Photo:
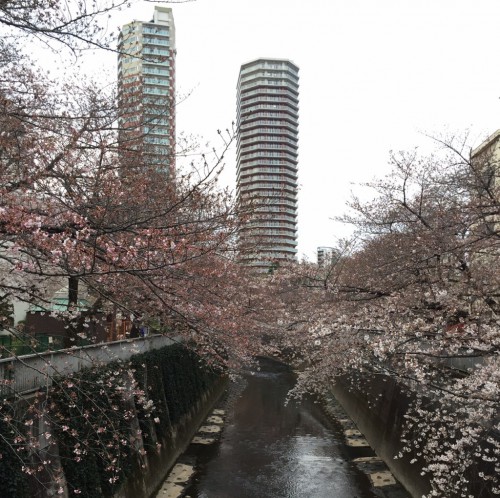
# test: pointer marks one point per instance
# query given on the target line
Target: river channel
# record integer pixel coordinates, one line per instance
(270, 449)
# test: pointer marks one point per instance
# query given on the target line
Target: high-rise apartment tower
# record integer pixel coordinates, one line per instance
(267, 150)
(146, 88)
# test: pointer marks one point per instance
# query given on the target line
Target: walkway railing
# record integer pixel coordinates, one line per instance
(22, 374)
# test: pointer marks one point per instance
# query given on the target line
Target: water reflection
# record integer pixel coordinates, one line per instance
(269, 450)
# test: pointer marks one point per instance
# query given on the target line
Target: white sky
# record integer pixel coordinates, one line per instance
(374, 75)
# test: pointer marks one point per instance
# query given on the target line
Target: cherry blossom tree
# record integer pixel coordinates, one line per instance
(415, 296)
(77, 206)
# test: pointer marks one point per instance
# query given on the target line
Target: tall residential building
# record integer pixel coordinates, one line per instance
(146, 89)
(267, 150)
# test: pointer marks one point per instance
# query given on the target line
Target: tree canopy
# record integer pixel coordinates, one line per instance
(415, 296)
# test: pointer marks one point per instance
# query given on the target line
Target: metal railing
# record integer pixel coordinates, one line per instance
(23, 374)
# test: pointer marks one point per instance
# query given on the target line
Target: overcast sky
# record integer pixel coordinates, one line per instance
(374, 76)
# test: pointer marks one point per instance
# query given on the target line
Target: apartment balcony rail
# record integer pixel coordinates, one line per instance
(268, 126)
(272, 93)
(269, 70)
(283, 170)
(265, 84)
(268, 153)
(251, 107)
(289, 117)
(267, 150)
(265, 162)
(28, 373)
(262, 141)
(273, 99)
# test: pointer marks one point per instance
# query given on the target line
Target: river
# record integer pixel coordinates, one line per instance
(270, 449)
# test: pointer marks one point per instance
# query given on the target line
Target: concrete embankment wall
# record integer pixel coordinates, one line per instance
(378, 411)
(145, 481)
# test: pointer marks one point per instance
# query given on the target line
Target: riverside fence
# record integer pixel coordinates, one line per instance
(20, 375)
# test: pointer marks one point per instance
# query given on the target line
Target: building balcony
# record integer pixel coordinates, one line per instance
(269, 93)
(269, 153)
(252, 85)
(269, 142)
(270, 99)
(248, 114)
(279, 170)
(257, 125)
(269, 190)
(263, 132)
(270, 66)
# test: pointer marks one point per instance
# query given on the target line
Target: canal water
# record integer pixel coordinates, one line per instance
(270, 449)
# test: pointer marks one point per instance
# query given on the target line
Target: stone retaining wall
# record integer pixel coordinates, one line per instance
(379, 415)
(145, 482)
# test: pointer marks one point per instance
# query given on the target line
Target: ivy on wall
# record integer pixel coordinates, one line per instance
(13, 482)
(104, 420)
(175, 380)
(92, 420)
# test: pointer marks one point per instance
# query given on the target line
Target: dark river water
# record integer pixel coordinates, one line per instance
(272, 450)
